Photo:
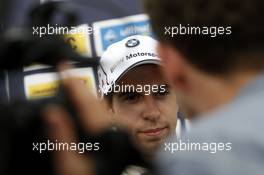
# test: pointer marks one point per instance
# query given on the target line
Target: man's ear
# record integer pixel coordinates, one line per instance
(111, 113)
(175, 67)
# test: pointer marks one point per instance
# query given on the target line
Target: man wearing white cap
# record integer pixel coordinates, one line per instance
(137, 94)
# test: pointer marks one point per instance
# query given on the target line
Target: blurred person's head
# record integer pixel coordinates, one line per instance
(208, 66)
(137, 94)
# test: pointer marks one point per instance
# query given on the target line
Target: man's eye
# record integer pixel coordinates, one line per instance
(162, 93)
(131, 97)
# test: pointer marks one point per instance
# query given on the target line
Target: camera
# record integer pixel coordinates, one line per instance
(21, 125)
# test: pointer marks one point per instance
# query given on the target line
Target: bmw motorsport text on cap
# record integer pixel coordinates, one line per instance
(124, 55)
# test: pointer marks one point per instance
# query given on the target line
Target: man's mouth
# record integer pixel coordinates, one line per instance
(153, 132)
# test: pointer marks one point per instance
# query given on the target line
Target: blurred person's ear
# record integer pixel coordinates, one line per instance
(175, 68)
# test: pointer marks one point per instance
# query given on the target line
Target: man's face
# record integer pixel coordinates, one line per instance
(175, 72)
(149, 118)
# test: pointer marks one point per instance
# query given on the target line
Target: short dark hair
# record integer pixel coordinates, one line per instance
(242, 49)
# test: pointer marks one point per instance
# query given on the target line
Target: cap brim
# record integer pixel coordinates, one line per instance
(143, 62)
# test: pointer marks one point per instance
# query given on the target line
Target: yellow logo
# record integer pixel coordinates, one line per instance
(50, 89)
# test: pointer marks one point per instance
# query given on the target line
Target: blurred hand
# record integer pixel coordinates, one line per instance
(94, 117)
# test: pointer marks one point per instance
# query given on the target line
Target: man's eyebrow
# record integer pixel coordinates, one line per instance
(165, 87)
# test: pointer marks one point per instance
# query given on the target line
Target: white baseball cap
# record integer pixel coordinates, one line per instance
(123, 56)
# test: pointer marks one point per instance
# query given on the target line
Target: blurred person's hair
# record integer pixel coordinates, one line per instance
(242, 50)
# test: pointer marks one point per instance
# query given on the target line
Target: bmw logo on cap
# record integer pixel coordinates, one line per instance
(132, 43)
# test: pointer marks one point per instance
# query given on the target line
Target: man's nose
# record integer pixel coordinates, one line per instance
(151, 109)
